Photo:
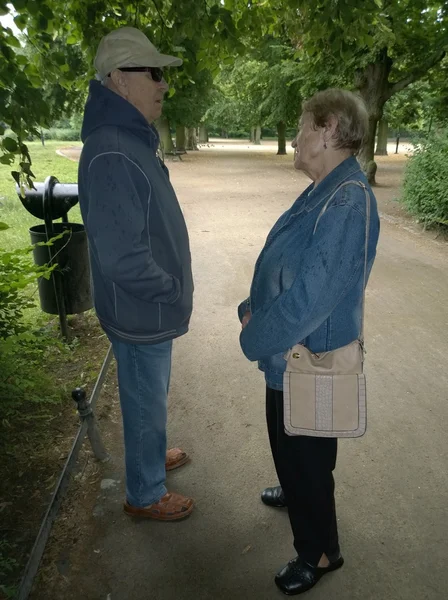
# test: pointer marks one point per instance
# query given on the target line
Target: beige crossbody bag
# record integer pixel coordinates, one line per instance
(325, 394)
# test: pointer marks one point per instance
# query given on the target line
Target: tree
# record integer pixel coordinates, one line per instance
(42, 74)
(62, 99)
(380, 46)
(173, 25)
(186, 108)
(281, 81)
(435, 103)
(237, 98)
(261, 89)
(409, 109)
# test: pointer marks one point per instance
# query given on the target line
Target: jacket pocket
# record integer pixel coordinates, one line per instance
(133, 314)
(177, 315)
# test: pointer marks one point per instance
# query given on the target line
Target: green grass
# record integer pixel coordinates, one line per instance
(45, 162)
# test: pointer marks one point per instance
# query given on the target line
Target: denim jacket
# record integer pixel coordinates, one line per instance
(307, 286)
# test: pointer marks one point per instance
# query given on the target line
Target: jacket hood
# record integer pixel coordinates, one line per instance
(106, 108)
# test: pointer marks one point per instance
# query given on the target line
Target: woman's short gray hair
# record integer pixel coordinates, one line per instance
(350, 111)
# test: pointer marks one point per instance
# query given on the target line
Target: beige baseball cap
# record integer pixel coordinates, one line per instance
(129, 47)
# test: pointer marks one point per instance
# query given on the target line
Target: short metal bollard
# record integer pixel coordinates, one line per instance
(86, 414)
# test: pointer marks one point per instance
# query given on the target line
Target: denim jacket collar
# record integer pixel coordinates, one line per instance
(321, 192)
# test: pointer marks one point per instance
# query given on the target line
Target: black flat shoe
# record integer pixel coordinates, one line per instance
(298, 576)
(274, 496)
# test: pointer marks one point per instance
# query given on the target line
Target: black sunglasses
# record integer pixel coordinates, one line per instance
(156, 72)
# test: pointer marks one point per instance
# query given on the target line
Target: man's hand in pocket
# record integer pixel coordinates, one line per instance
(246, 319)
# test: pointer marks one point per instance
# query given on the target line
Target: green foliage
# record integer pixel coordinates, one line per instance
(26, 389)
(22, 381)
(347, 35)
(238, 97)
(17, 272)
(379, 47)
(7, 566)
(40, 77)
(407, 108)
(375, 46)
(45, 73)
(265, 87)
(62, 135)
(425, 188)
(22, 350)
(436, 100)
(188, 106)
(62, 68)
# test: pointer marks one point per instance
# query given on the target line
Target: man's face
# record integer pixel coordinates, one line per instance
(146, 94)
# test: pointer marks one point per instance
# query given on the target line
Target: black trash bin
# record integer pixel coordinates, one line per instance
(72, 257)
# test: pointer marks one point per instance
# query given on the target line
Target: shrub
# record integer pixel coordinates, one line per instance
(63, 135)
(17, 271)
(425, 186)
(7, 566)
(22, 350)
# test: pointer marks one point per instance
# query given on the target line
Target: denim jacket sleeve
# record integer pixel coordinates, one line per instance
(330, 266)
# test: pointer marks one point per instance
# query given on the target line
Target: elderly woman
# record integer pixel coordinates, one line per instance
(307, 288)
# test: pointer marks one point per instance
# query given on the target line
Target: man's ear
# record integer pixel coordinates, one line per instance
(119, 80)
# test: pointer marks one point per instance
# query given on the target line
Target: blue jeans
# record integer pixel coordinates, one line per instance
(143, 381)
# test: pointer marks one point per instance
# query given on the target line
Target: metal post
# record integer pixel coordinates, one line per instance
(56, 276)
(86, 414)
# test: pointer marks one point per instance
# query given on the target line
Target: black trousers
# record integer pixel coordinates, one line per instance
(305, 471)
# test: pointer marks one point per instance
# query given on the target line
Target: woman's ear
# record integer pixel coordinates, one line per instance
(330, 128)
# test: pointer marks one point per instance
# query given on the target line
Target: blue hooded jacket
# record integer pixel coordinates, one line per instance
(138, 240)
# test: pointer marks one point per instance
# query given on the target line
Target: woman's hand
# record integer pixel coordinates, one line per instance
(246, 319)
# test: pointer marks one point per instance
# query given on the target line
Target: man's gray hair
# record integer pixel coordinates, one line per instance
(102, 80)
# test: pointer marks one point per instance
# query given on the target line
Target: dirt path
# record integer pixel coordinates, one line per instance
(391, 486)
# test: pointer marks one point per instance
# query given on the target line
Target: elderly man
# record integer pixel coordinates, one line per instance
(140, 256)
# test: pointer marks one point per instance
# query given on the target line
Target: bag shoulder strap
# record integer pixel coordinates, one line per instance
(366, 246)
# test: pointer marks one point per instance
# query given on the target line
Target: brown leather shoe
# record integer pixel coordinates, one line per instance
(171, 507)
(175, 458)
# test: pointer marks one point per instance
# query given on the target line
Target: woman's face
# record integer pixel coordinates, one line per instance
(308, 144)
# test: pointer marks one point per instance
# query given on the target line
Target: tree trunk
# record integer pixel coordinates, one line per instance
(367, 152)
(166, 143)
(203, 134)
(42, 137)
(192, 143)
(373, 85)
(252, 135)
(383, 131)
(257, 139)
(281, 133)
(398, 143)
(180, 138)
